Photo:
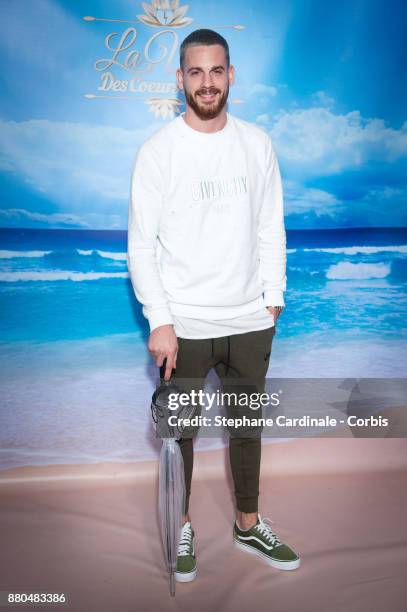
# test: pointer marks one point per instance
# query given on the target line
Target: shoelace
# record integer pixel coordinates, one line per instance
(184, 547)
(265, 530)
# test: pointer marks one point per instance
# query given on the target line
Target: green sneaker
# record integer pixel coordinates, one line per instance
(186, 562)
(262, 541)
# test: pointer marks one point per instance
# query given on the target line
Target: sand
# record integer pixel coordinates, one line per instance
(91, 532)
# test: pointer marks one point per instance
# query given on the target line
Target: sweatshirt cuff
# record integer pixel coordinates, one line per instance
(158, 316)
(273, 297)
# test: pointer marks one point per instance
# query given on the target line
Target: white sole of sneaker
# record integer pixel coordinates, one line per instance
(185, 577)
(282, 565)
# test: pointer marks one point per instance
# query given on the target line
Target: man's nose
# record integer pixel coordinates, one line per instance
(207, 80)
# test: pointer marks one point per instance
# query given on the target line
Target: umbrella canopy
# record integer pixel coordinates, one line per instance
(171, 502)
(171, 482)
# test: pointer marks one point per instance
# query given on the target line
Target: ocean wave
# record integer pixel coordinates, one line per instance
(355, 250)
(358, 271)
(122, 256)
(304, 271)
(107, 254)
(13, 254)
(118, 256)
(58, 275)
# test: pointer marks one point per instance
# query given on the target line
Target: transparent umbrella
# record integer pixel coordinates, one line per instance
(171, 482)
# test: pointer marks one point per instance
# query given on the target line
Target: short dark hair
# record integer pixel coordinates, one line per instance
(203, 37)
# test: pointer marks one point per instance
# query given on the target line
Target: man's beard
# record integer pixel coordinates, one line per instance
(204, 110)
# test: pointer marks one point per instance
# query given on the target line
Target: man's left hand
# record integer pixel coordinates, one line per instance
(275, 311)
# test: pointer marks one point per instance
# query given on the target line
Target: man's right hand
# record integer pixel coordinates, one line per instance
(163, 344)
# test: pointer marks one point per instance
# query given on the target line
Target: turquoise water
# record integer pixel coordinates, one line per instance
(76, 376)
(70, 284)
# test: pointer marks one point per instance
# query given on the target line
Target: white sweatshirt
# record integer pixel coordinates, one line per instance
(206, 235)
(196, 329)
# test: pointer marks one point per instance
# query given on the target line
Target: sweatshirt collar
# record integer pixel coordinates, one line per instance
(187, 130)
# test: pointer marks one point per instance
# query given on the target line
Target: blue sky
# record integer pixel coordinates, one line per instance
(325, 80)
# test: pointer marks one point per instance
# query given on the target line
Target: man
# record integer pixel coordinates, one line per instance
(207, 259)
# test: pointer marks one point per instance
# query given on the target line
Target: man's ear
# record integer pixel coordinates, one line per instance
(231, 75)
(180, 79)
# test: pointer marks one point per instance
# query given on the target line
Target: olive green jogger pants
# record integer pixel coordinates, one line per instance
(241, 361)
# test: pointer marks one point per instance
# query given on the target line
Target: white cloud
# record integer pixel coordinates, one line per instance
(318, 142)
(321, 98)
(20, 217)
(261, 88)
(263, 120)
(73, 164)
(85, 169)
(315, 143)
(299, 199)
(13, 215)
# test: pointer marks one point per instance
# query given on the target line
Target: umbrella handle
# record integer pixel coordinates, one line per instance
(162, 371)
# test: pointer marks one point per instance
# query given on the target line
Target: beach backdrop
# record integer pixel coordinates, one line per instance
(84, 83)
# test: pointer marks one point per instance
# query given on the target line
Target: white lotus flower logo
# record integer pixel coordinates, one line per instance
(164, 108)
(165, 13)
